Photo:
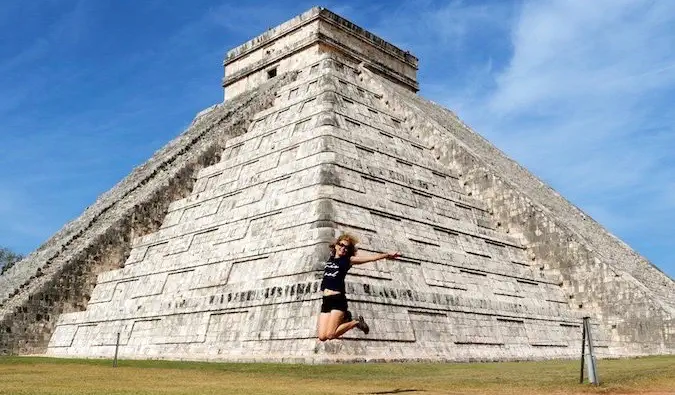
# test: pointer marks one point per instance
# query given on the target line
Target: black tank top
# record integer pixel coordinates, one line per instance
(334, 274)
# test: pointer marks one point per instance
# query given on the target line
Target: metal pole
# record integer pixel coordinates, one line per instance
(117, 346)
(583, 350)
(592, 366)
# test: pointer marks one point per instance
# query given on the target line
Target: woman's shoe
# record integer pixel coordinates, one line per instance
(362, 325)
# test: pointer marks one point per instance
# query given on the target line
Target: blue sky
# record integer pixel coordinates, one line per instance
(579, 92)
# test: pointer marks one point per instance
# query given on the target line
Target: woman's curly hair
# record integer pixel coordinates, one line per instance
(351, 251)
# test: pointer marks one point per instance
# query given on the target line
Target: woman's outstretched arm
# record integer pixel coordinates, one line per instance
(357, 260)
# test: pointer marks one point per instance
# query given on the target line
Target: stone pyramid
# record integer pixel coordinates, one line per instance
(214, 249)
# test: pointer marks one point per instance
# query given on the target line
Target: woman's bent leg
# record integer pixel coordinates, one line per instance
(344, 328)
(324, 328)
(334, 322)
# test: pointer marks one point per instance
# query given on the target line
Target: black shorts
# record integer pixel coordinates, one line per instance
(334, 302)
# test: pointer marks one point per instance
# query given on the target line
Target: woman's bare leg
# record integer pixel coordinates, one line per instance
(344, 328)
(337, 326)
(336, 317)
(324, 327)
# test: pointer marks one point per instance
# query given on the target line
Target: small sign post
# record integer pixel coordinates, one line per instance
(117, 346)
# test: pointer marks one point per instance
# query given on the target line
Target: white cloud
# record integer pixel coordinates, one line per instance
(585, 102)
(579, 92)
(567, 49)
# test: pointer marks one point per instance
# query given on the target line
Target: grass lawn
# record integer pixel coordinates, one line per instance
(32, 375)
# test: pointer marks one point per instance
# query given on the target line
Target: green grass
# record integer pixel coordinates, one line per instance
(35, 375)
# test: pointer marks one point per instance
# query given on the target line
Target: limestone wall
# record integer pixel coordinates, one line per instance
(233, 272)
(61, 274)
(289, 58)
(251, 46)
(602, 276)
(231, 260)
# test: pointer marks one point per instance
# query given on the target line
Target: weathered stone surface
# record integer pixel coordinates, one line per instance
(223, 234)
(632, 298)
(60, 275)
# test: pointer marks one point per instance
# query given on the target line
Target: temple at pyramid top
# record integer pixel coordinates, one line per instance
(300, 41)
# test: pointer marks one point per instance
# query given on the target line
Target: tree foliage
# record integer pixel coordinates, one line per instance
(8, 258)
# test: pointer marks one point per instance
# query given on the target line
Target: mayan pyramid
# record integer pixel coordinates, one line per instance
(214, 248)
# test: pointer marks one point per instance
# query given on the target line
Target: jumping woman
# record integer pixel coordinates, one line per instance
(335, 320)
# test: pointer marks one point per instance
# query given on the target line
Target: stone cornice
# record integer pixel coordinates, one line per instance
(322, 38)
(329, 17)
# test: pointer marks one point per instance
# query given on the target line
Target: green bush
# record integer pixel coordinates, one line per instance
(8, 258)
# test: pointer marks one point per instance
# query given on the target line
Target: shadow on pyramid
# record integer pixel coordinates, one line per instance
(214, 249)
